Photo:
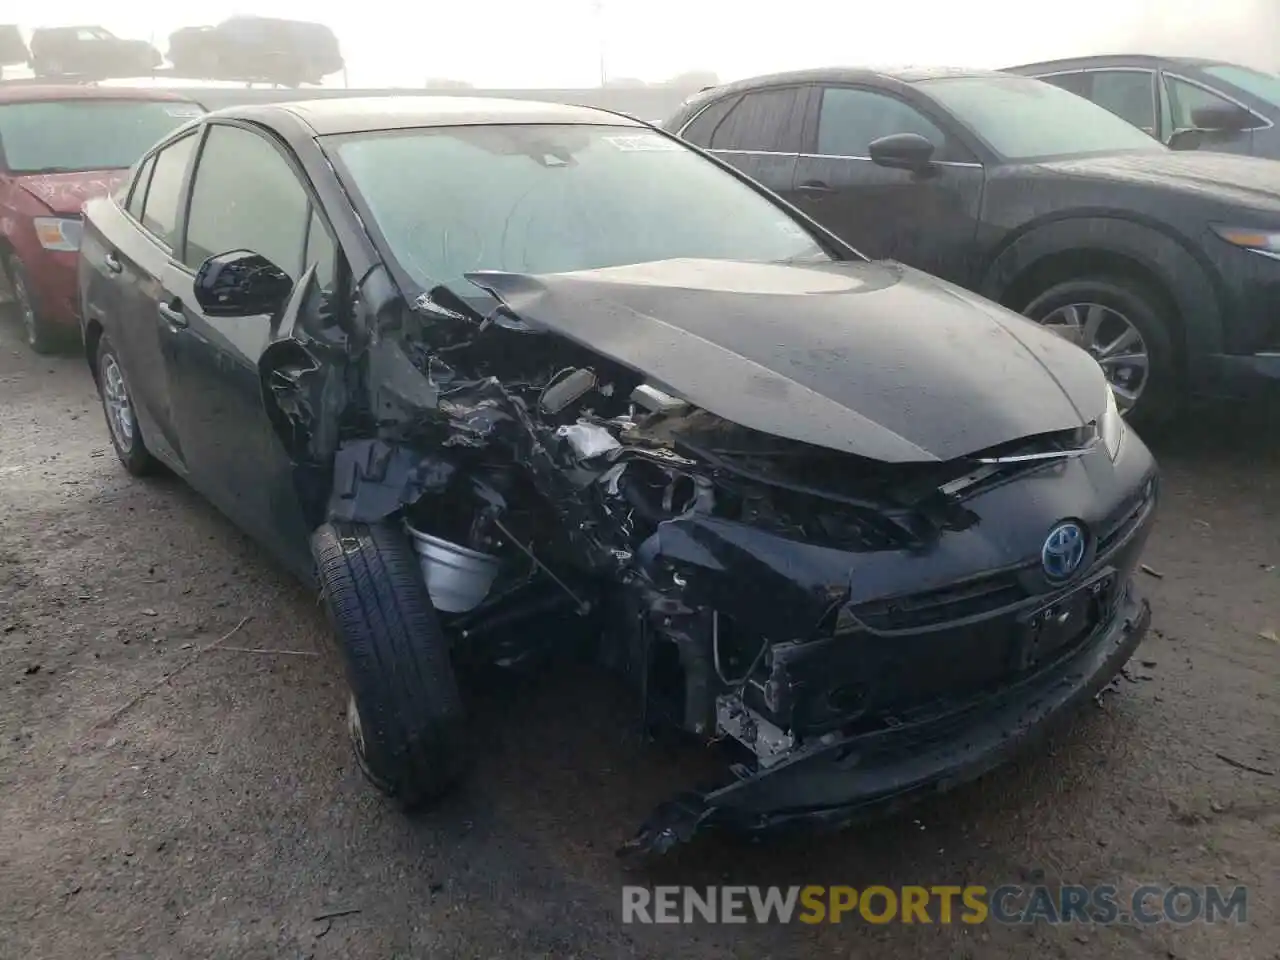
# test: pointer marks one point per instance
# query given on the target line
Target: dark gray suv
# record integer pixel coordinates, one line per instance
(1187, 103)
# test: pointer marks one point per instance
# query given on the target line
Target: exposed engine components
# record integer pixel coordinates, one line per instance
(763, 738)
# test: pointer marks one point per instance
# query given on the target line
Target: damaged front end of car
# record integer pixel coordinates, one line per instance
(832, 619)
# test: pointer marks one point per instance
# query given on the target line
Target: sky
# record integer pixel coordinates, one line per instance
(559, 43)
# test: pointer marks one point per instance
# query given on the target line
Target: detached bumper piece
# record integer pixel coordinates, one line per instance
(840, 779)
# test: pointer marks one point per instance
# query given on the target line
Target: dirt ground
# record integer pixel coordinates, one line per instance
(218, 813)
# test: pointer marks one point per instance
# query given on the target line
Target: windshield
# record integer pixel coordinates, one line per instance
(1025, 119)
(55, 136)
(1263, 85)
(554, 198)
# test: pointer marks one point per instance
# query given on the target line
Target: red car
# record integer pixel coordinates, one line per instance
(61, 146)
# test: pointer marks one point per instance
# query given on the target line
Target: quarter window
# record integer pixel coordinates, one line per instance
(765, 121)
(705, 124)
(321, 251)
(1077, 83)
(850, 119)
(246, 197)
(164, 190)
(139, 191)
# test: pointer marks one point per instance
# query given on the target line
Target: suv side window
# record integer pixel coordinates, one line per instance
(246, 197)
(1186, 98)
(850, 119)
(764, 121)
(1129, 94)
(138, 191)
(164, 190)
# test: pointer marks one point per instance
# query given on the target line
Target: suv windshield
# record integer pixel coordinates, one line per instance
(55, 136)
(1263, 85)
(1025, 119)
(554, 198)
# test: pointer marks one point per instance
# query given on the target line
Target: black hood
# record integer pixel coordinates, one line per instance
(873, 359)
(1222, 177)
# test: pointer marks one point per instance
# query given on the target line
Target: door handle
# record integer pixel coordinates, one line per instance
(112, 263)
(815, 188)
(172, 313)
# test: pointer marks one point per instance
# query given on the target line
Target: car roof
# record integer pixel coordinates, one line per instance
(27, 93)
(331, 115)
(903, 74)
(1114, 59)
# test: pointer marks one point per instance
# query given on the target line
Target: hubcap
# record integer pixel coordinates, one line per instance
(115, 400)
(1112, 340)
(26, 309)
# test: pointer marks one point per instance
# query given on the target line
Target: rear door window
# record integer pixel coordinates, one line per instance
(765, 121)
(1129, 94)
(164, 190)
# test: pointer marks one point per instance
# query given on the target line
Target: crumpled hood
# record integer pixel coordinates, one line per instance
(1227, 177)
(873, 359)
(65, 193)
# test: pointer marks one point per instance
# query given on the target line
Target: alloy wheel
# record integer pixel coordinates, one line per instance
(115, 397)
(1112, 340)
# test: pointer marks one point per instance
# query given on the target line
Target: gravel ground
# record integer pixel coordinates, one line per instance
(218, 812)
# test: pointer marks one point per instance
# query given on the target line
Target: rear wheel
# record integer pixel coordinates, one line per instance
(404, 711)
(1124, 325)
(117, 406)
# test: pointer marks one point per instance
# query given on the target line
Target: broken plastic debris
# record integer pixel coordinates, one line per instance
(588, 440)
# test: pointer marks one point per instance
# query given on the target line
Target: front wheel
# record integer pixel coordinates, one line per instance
(1125, 326)
(36, 330)
(404, 712)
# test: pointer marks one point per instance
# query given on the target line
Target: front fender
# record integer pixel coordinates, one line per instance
(1185, 275)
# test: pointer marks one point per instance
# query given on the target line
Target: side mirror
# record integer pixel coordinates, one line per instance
(903, 151)
(241, 283)
(1226, 118)
(1191, 139)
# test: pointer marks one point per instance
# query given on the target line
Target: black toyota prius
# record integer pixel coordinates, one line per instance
(496, 374)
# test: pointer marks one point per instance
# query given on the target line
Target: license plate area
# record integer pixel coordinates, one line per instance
(1062, 622)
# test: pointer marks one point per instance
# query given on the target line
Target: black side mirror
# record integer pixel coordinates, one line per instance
(1190, 139)
(1226, 118)
(903, 151)
(241, 283)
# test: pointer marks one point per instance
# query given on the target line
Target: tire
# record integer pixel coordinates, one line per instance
(129, 445)
(1146, 311)
(405, 716)
(39, 335)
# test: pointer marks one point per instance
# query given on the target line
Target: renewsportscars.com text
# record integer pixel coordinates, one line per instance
(1007, 904)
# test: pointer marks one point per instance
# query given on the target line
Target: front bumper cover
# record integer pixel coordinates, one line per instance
(845, 780)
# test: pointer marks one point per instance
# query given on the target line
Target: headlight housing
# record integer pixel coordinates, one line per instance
(59, 233)
(1111, 426)
(1264, 242)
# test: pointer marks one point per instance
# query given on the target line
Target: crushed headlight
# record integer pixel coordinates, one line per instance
(59, 233)
(1111, 426)
(1264, 242)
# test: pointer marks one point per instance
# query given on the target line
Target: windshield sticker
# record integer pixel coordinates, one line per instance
(644, 143)
(792, 229)
(184, 113)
